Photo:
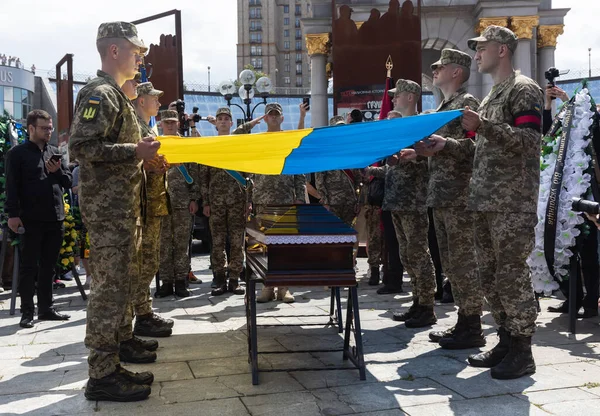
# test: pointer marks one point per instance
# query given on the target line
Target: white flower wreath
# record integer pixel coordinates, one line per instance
(576, 183)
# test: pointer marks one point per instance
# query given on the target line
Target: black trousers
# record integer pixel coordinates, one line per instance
(434, 250)
(589, 270)
(393, 277)
(40, 246)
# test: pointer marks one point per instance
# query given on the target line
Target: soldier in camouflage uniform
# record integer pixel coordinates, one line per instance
(177, 226)
(405, 196)
(106, 140)
(449, 175)
(503, 194)
(276, 190)
(224, 200)
(148, 323)
(339, 189)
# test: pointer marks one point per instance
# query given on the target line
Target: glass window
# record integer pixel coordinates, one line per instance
(24, 97)
(298, 34)
(26, 110)
(8, 94)
(297, 22)
(298, 9)
(286, 21)
(286, 9)
(1, 95)
(286, 57)
(298, 57)
(286, 67)
(286, 44)
(8, 106)
(298, 68)
(298, 45)
(298, 82)
(286, 33)
(18, 114)
(287, 80)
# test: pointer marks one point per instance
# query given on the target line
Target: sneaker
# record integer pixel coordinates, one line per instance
(116, 388)
(193, 279)
(131, 352)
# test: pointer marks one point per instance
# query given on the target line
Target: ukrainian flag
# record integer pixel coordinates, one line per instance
(309, 150)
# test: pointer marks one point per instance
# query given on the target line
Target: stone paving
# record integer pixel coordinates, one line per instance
(202, 368)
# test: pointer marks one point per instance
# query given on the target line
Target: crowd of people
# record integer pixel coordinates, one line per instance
(10, 60)
(460, 204)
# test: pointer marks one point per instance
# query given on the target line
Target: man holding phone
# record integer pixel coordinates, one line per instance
(35, 183)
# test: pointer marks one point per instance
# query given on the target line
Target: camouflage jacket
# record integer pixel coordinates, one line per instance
(337, 188)
(506, 165)
(104, 135)
(449, 174)
(274, 189)
(179, 191)
(219, 188)
(405, 185)
(155, 195)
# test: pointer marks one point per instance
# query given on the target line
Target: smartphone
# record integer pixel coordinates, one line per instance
(55, 158)
(306, 100)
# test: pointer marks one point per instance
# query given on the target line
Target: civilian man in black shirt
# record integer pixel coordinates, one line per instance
(35, 182)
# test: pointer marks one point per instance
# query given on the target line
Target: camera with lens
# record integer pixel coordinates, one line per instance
(195, 116)
(583, 205)
(551, 74)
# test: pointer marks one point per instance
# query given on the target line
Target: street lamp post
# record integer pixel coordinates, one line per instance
(246, 92)
(209, 79)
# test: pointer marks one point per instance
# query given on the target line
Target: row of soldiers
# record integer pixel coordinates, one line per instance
(480, 176)
(127, 188)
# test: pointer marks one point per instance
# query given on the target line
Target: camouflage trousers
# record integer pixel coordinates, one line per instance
(455, 236)
(228, 221)
(150, 257)
(174, 245)
(114, 263)
(374, 235)
(411, 231)
(503, 240)
(346, 213)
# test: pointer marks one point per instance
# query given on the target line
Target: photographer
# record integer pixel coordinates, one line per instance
(552, 92)
(35, 183)
(186, 122)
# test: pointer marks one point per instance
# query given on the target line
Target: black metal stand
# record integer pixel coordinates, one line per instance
(15, 281)
(335, 309)
(354, 354)
(78, 281)
(573, 276)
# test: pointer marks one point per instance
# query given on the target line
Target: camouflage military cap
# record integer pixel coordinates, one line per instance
(224, 110)
(273, 107)
(407, 85)
(146, 88)
(453, 56)
(336, 121)
(169, 115)
(497, 34)
(124, 30)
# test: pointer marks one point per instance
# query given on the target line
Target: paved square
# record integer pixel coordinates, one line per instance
(202, 368)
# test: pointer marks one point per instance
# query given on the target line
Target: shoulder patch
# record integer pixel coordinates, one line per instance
(91, 108)
(537, 108)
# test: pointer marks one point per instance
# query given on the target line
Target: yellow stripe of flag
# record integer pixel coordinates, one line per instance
(265, 154)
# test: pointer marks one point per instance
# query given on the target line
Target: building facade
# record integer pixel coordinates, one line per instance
(16, 91)
(270, 38)
(448, 24)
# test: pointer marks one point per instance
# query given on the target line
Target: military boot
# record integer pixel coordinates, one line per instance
(145, 344)
(493, 357)
(436, 336)
(284, 295)
(518, 362)
(147, 326)
(116, 387)
(234, 287)
(267, 294)
(469, 335)
(424, 317)
(221, 285)
(405, 316)
(374, 276)
(131, 352)
(166, 289)
(181, 290)
(145, 377)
